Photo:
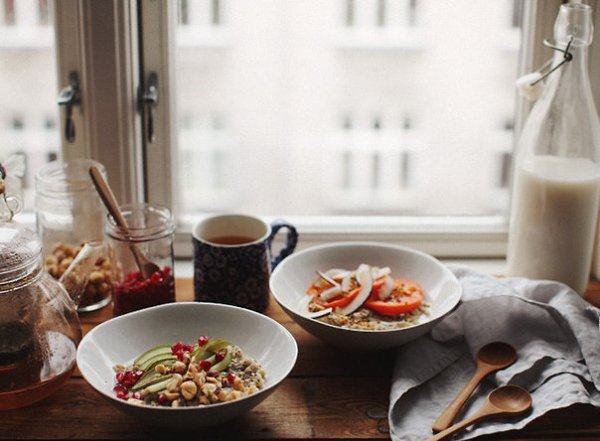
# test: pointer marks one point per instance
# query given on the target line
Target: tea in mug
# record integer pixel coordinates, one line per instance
(231, 240)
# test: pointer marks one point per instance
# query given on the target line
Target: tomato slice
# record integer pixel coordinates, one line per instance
(342, 301)
(312, 291)
(407, 296)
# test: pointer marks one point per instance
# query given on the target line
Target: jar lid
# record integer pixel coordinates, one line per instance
(20, 250)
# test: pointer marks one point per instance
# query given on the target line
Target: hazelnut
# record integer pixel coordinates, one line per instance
(178, 367)
(171, 395)
(173, 384)
(188, 390)
(209, 388)
(161, 369)
(51, 260)
(96, 277)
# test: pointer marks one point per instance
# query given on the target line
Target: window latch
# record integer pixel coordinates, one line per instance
(149, 101)
(70, 96)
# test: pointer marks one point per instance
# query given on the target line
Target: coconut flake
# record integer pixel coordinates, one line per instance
(363, 276)
(330, 293)
(318, 314)
(377, 273)
(386, 290)
(337, 274)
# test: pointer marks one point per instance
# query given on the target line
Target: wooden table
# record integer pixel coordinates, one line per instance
(330, 394)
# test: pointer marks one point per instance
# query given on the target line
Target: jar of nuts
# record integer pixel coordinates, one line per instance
(70, 213)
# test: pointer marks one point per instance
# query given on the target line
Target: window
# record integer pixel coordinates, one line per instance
(360, 119)
(344, 107)
(29, 114)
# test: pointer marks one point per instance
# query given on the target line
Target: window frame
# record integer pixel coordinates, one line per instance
(140, 175)
(99, 41)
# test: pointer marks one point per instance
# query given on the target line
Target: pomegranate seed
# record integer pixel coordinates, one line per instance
(162, 399)
(206, 365)
(202, 340)
(137, 395)
(130, 378)
(120, 376)
(120, 389)
(176, 347)
(231, 377)
(219, 356)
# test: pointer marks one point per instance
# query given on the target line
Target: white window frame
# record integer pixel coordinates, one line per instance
(98, 40)
(139, 172)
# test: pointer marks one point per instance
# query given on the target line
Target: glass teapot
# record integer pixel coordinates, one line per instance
(39, 325)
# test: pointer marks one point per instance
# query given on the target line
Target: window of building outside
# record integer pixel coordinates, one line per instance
(29, 114)
(345, 107)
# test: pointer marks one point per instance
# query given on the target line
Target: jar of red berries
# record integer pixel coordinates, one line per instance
(143, 256)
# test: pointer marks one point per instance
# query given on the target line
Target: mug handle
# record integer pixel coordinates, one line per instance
(290, 241)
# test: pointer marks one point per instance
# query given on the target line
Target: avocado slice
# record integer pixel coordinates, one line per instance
(150, 380)
(163, 349)
(212, 346)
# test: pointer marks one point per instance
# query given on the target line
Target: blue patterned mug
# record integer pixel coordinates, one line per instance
(233, 259)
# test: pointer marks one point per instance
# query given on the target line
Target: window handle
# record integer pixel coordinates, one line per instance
(149, 101)
(70, 96)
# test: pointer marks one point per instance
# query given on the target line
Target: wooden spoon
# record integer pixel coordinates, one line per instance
(147, 268)
(502, 401)
(490, 358)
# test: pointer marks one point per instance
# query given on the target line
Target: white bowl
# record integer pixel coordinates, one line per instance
(293, 276)
(122, 339)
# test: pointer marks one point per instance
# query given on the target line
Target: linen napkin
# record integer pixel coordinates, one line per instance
(556, 334)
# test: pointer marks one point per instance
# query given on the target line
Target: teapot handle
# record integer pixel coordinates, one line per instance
(76, 276)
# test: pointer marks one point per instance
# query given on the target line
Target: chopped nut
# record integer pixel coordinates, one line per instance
(161, 369)
(178, 367)
(238, 384)
(209, 389)
(203, 400)
(96, 277)
(53, 270)
(171, 395)
(188, 390)
(119, 367)
(200, 379)
(173, 384)
(192, 369)
(64, 264)
(235, 394)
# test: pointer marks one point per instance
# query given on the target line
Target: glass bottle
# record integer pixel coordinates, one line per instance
(151, 230)
(69, 214)
(556, 187)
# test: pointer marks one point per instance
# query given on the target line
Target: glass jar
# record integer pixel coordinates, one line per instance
(150, 235)
(69, 213)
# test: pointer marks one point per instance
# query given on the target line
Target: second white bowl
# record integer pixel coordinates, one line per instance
(293, 276)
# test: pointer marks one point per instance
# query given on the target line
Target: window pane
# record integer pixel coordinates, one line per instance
(29, 115)
(324, 107)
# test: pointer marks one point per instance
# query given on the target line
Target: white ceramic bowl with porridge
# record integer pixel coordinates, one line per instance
(365, 295)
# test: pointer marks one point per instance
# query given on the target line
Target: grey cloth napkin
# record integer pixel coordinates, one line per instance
(556, 334)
